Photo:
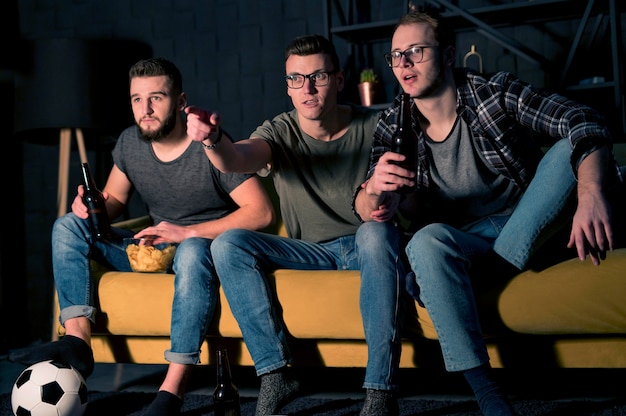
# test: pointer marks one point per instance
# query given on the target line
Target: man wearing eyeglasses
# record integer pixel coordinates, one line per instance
(482, 194)
(318, 154)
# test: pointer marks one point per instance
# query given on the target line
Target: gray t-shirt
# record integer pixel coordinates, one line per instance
(187, 190)
(315, 180)
(467, 188)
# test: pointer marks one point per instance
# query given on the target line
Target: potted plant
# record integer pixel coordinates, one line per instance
(368, 75)
(368, 86)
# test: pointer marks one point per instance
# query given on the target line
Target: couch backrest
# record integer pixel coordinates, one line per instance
(278, 227)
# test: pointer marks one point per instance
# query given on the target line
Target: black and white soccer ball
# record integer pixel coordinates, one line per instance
(49, 388)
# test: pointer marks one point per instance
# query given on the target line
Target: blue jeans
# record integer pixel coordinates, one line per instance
(441, 257)
(195, 284)
(538, 215)
(244, 258)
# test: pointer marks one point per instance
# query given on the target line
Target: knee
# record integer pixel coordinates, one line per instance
(557, 160)
(426, 243)
(66, 224)
(193, 251)
(227, 242)
(374, 234)
(193, 247)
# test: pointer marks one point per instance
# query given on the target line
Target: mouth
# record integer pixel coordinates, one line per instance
(149, 120)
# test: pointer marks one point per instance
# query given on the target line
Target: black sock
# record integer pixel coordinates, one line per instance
(69, 350)
(165, 404)
(491, 400)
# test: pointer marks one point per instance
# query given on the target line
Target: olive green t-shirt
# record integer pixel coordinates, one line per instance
(315, 180)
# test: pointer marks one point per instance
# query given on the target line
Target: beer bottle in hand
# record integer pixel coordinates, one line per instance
(92, 198)
(404, 140)
(225, 395)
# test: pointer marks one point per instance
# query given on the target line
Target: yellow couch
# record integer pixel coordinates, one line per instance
(570, 315)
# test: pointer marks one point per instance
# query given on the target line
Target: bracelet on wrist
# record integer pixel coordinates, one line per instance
(214, 144)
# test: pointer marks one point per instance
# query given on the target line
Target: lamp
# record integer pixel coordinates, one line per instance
(54, 96)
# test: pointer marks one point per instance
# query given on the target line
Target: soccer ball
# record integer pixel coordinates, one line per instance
(49, 388)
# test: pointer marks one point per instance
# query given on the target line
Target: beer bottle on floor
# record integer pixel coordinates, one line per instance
(226, 394)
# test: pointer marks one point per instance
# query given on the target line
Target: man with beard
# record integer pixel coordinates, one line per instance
(481, 197)
(190, 203)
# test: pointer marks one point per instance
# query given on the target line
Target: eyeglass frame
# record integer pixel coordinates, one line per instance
(389, 59)
(305, 77)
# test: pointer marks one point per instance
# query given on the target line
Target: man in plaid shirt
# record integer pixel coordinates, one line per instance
(482, 192)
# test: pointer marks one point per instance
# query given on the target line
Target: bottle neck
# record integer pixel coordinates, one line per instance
(87, 179)
(223, 368)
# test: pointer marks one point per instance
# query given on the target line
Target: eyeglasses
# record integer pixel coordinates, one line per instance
(319, 79)
(414, 55)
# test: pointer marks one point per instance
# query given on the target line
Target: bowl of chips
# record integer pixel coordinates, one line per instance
(147, 257)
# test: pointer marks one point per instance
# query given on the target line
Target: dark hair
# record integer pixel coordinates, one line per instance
(311, 45)
(444, 33)
(153, 67)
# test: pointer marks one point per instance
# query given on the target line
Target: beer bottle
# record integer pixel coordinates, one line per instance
(226, 394)
(96, 208)
(404, 140)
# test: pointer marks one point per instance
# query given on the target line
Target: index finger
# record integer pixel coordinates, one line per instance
(206, 116)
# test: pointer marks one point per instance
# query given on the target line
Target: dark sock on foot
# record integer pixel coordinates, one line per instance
(277, 389)
(380, 403)
(69, 350)
(489, 395)
(165, 404)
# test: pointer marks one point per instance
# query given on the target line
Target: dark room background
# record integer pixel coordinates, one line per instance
(231, 56)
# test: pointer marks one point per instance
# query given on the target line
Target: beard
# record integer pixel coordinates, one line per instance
(163, 131)
(437, 81)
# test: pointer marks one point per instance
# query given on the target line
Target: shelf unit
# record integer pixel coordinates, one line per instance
(487, 20)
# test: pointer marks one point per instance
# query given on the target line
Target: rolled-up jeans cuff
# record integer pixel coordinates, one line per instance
(76, 311)
(191, 358)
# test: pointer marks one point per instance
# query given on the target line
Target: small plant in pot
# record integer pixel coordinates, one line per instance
(368, 86)
(368, 75)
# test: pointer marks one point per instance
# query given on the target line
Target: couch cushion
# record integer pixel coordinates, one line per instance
(320, 304)
(316, 304)
(136, 303)
(572, 297)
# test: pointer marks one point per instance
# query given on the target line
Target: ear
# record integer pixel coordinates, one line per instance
(182, 101)
(341, 80)
(449, 56)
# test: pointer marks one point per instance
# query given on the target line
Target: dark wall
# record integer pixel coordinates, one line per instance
(13, 287)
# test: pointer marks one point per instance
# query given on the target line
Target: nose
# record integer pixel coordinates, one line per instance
(309, 85)
(147, 107)
(405, 61)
